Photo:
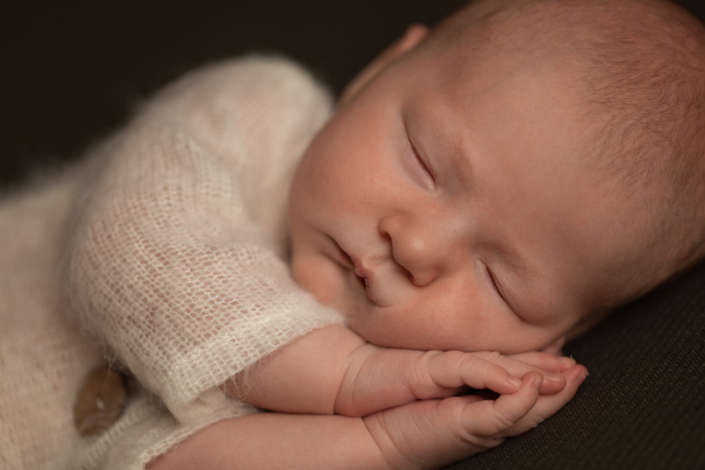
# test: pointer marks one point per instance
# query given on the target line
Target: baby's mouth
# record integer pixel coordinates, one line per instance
(363, 281)
(363, 274)
(353, 266)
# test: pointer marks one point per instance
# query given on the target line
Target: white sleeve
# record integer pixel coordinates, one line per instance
(174, 256)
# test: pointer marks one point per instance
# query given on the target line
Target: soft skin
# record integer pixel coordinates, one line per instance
(363, 405)
(394, 408)
(445, 206)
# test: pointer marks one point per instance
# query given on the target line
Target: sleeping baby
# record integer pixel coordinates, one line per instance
(482, 192)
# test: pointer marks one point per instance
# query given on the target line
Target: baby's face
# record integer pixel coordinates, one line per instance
(446, 208)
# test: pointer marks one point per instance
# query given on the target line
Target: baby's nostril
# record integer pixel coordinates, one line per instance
(409, 274)
(422, 277)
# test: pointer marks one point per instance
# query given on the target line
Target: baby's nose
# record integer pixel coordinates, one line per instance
(417, 247)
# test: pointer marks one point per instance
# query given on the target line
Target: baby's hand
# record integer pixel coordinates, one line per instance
(424, 434)
(384, 378)
(432, 433)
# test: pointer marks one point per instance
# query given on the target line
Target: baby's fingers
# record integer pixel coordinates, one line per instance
(521, 364)
(456, 369)
(545, 360)
(495, 417)
(547, 405)
(433, 433)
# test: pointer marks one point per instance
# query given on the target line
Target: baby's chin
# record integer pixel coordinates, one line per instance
(334, 294)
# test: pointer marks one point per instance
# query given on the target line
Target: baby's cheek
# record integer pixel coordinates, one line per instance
(386, 327)
(323, 279)
(359, 322)
(313, 279)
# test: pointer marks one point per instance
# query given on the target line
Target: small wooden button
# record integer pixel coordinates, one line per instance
(100, 401)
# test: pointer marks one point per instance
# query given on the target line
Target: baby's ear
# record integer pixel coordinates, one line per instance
(413, 36)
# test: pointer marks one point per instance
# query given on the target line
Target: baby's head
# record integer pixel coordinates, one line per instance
(510, 177)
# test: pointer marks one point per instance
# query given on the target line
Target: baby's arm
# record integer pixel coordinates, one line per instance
(394, 409)
(332, 370)
(422, 434)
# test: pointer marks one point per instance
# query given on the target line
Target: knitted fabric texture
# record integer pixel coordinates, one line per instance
(175, 244)
(43, 358)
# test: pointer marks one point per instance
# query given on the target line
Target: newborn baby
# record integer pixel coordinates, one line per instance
(499, 184)
(482, 192)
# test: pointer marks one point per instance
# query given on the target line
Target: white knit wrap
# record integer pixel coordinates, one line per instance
(176, 245)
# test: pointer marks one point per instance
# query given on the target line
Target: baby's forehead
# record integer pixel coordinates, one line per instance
(569, 30)
(469, 50)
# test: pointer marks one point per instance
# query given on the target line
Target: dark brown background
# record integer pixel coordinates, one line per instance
(71, 72)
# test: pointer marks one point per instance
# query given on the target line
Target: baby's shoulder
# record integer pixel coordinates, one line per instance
(264, 82)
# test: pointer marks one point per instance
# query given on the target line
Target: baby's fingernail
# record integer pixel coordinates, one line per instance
(567, 361)
(554, 377)
(516, 383)
(537, 384)
(582, 378)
